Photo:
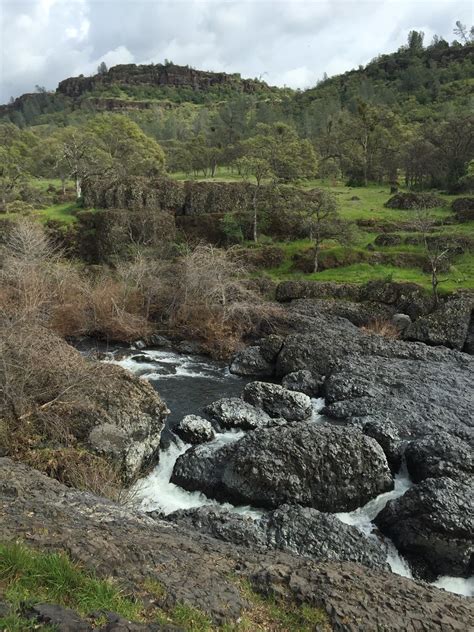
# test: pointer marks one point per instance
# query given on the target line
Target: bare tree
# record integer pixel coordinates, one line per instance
(463, 32)
(437, 251)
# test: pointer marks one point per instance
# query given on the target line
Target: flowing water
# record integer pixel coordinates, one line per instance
(187, 383)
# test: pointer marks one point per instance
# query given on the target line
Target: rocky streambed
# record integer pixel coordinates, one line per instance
(260, 466)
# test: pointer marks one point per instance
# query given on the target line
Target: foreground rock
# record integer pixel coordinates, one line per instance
(201, 571)
(195, 430)
(278, 401)
(432, 525)
(233, 412)
(300, 530)
(328, 468)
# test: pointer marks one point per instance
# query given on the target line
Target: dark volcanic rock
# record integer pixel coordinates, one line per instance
(250, 362)
(328, 468)
(278, 401)
(448, 325)
(358, 314)
(200, 571)
(270, 347)
(194, 429)
(292, 528)
(63, 619)
(437, 455)
(303, 382)
(432, 525)
(387, 435)
(233, 412)
(417, 397)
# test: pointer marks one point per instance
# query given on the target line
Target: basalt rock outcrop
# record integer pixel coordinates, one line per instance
(432, 525)
(448, 325)
(160, 75)
(325, 467)
(200, 571)
(437, 455)
(291, 528)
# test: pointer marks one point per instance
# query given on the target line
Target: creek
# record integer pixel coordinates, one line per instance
(187, 383)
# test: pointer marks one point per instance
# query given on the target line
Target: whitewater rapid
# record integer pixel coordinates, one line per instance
(187, 383)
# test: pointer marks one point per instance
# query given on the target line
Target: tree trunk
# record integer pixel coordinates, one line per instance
(316, 257)
(63, 185)
(78, 187)
(255, 219)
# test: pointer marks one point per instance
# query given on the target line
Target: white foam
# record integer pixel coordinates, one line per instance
(156, 492)
(457, 585)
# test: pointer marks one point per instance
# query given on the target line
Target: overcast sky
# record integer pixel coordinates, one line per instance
(285, 42)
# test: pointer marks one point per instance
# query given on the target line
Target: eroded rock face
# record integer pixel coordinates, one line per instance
(328, 468)
(278, 401)
(432, 525)
(233, 412)
(194, 429)
(300, 530)
(200, 571)
(438, 455)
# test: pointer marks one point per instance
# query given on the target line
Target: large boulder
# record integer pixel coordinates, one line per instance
(358, 313)
(129, 418)
(303, 382)
(438, 455)
(292, 528)
(432, 525)
(194, 429)
(278, 401)
(321, 466)
(448, 325)
(233, 412)
(417, 397)
(250, 362)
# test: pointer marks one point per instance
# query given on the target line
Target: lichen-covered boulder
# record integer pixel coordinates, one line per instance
(194, 429)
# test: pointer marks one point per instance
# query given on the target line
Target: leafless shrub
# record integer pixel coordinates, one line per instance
(383, 328)
(79, 469)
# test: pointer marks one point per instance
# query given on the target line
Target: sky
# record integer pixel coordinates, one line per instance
(284, 42)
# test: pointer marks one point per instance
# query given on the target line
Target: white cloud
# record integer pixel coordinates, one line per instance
(290, 42)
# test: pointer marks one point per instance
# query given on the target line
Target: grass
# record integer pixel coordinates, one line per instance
(28, 577)
(64, 213)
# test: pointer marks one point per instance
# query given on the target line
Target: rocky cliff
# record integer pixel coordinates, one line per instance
(159, 75)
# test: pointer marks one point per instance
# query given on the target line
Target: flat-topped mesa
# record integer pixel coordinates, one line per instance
(161, 75)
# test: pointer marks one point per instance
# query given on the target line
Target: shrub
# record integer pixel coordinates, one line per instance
(383, 328)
